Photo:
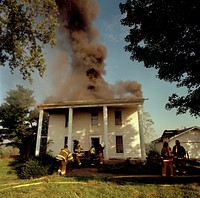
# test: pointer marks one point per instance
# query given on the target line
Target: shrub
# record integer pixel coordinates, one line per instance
(37, 166)
(153, 163)
(8, 151)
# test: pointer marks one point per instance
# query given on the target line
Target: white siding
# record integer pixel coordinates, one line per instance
(80, 130)
(56, 132)
(129, 130)
(158, 146)
(83, 131)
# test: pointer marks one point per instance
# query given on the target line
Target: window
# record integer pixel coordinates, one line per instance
(118, 118)
(95, 141)
(119, 144)
(94, 118)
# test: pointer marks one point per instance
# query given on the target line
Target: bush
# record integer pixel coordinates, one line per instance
(8, 151)
(37, 166)
(153, 163)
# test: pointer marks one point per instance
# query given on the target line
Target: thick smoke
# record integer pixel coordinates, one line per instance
(81, 78)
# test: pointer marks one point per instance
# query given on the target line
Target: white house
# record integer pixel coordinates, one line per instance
(114, 123)
(189, 139)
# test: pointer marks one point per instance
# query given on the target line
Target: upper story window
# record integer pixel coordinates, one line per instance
(118, 118)
(94, 119)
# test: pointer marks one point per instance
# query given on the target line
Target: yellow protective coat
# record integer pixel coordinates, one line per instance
(63, 157)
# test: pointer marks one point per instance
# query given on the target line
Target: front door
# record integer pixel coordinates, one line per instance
(95, 141)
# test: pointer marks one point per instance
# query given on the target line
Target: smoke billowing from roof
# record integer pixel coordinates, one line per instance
(81, 76)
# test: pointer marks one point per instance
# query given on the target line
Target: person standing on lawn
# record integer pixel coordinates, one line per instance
(179, 157)
(64, 157)
(167, 160)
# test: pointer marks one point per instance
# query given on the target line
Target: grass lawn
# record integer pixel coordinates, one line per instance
(54, 186)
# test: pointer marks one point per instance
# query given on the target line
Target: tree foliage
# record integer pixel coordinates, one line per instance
(165, 35)
(148, 123)
(26, 26)
(19, 119)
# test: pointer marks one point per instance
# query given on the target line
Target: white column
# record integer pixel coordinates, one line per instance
(141, 131)
(38, 141)
(105, 129)
(70, 122)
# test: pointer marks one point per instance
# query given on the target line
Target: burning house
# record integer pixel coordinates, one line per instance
(114, 123)
(85, 108)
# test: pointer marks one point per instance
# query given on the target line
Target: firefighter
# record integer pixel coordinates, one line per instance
(79, 152)
(179, 157)
(64, 157)
(92, 153)
(167, 160)
(101, 157)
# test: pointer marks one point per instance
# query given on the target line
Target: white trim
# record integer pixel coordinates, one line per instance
(70, 124)
(141, 132)
(93, 103)
(38, 141)
(105, 130)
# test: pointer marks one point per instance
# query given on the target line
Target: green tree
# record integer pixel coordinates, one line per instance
(165, 35)
(26, 26)
(19, 119)
(148, 127)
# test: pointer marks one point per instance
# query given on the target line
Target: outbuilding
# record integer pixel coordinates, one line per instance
(188, 137)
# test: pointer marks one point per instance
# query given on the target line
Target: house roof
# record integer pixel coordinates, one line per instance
(172, 133)
(92, 103)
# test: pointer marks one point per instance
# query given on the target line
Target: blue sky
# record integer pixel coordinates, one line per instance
(118, 67)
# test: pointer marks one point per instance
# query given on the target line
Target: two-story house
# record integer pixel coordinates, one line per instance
(115, 124)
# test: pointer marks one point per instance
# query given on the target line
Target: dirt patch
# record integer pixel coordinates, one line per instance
(87, 172)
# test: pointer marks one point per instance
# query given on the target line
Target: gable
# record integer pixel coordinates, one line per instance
(191, 135)
(189, 139)
(171, 134)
